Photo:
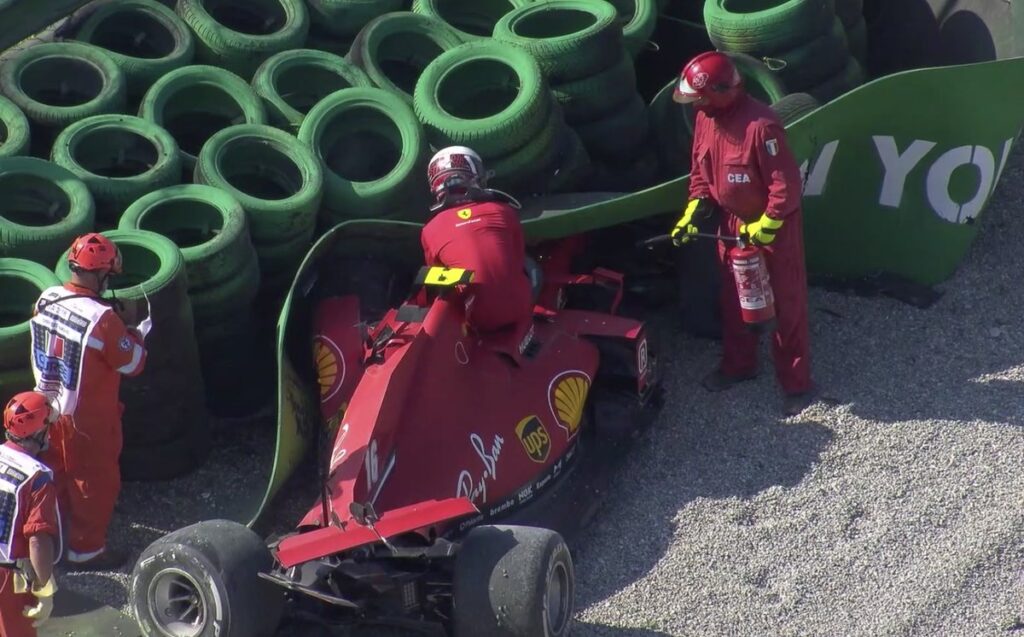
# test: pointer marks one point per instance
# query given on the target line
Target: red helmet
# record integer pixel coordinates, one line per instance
(710, 80)
(27, 414)
(93, 251)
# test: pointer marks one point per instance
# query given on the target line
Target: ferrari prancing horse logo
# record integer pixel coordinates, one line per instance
(567, 396)
(465, 213)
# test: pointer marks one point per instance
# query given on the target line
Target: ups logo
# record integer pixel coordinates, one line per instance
(535, 438)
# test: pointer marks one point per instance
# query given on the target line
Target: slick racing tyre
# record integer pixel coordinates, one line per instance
(215, 563)
(766, 26)
(471, 19)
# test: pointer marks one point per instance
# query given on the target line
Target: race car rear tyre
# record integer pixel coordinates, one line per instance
(292, 82)
(471, 19)
(22, 282)
(488, 95)
(214, 565)
(748, 26)
(373, 152)
(120, 158)
(513, 581)
(196, 101)
(58, 83)
(395, 48)
(239, 35)
(571, 39)
(14, 129)
(44, 208)
(144, 37)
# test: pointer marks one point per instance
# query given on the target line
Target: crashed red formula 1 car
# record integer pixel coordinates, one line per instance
(456, 459)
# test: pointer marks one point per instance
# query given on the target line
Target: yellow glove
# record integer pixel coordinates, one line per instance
(41, 611)
(696, 211)
(761, 232)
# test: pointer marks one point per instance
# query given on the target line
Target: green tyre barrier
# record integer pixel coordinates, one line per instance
(674, 140)
(857, 37)
(765, 26)
(523, 169)
(570, 39)
(638, 18)
(572, 165)
(849, 12)
(59, 83)
(487, 95)
(373, 152)
(292, 82)
(596, 96)
(395, 48)
(15, 381)
(471, 19)
(794, 106)
(120, 158)
(22, 282)
(144, 38)
(620, 136)
(275, 177)
(239, 35)
(166, 400)
(760, 81)
(44, 207)
(343, 19)
(209, 227)
(846, 80)
(813, 62)
(194, 102)
(15, 132)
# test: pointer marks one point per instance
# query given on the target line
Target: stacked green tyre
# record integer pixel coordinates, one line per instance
(120, 158)
(373, 153)
(492, 97)
(292, 82)
(144, 38)
(22, 282)
(851, 15)
(58, 83)
(471, 19)
(43, 207)
(341, 20)
(14, 129)
(803, 41)
(238, 35)
(395, 48)
(209, 226)
(579, 47)
(279, 182)
(194, 102)
(166, 424)
(638, 19)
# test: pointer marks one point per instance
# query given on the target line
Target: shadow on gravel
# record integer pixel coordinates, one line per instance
(583, 629)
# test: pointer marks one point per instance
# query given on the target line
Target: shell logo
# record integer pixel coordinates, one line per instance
(330, 366)
(567, 396)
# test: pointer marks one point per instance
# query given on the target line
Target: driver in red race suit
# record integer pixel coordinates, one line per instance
(81, 348)
(742, 164)
(478, 229)
(30, 533)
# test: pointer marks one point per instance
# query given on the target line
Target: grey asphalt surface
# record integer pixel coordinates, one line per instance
(893, 506)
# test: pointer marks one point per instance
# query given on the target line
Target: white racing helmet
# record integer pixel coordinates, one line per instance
(455, 171)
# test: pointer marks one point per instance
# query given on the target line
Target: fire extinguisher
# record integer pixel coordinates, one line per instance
(757, 302)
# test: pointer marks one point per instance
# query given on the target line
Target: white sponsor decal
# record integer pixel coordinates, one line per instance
(738, 178)
(339, 452)
(476, 488)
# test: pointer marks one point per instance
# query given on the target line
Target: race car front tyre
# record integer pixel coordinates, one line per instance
(216, 563)
(513, 581)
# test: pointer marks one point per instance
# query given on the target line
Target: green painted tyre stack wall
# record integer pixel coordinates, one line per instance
(22, 281)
